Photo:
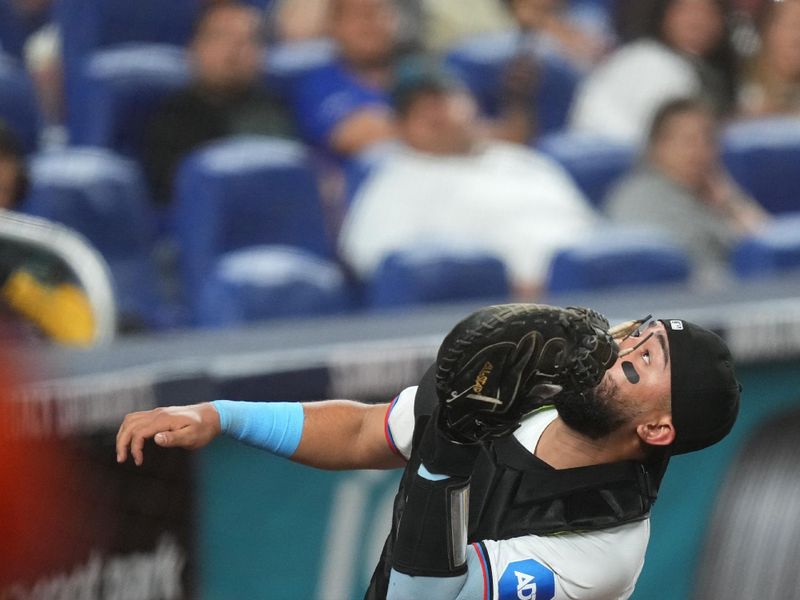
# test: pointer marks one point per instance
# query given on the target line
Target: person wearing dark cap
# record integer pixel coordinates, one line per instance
(542, 487)
(469, 190)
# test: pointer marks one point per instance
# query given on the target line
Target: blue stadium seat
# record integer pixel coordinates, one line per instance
(15, 28)
(480, 61)
(615, 257)
(763, 156)
(428, 275)
(119, 89)
(285, 63)
(594, 162)
(18, 104)
(103, 197)
(268, 282)
(245, 191)
(89, 25)
(775, 250)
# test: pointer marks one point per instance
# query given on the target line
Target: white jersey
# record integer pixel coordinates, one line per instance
(619, 98)
(599, 565)
(507, 200)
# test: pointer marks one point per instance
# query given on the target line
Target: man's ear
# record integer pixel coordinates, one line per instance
(659, 432)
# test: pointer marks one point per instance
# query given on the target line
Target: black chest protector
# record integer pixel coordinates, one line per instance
(513, 493)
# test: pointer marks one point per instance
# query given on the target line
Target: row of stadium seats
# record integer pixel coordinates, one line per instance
(762, 155)
(120, 88)
(113, 90)
(252, 241)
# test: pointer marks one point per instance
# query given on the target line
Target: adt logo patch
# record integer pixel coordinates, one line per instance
(527, 580)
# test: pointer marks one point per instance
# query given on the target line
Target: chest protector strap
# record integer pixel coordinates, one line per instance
(514, 493)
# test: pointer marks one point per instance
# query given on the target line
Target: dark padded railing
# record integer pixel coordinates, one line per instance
(753, 544)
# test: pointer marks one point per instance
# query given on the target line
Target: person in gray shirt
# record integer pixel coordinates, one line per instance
(680, 185)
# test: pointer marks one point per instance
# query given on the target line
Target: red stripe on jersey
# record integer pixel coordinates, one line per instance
(482, 560)
(388, 432)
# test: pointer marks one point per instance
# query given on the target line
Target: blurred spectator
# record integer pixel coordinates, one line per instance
(294, 20)
(772, 78)
(448, 182)
(13, 173)
(43, 61)
(447, 22)
(225, 98)
(344, 106)
(632, 19)
(37, 290)
(543, 29)
(681, 186)
(687, 51)
(545, 22)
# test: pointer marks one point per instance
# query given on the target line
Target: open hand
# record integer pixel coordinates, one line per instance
(188, 427)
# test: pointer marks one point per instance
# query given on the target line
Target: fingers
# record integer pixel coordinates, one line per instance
(125, 434)
(139, 427)
(184, 437)
(175, 426)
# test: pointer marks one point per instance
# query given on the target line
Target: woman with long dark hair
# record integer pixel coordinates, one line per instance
(771, 81)
(685, 50)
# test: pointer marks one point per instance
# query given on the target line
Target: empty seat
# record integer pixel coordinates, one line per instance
(87, 25)
(118, 91)
(481, 61)
(617, 257)
(245, 191)
(90, 25)
(267, 282)
(593, 161)
(103, 197)
(763, 156)
(774, 250)
(432, 274)
(18, 103)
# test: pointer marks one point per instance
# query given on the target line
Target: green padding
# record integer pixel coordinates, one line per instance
(264, 523)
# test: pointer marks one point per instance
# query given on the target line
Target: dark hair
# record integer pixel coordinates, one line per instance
(208, 10)
(417, 75)
(721, 63)
(11, 150)
(671, 108)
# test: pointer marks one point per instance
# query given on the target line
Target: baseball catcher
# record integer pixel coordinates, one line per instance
(532, 449)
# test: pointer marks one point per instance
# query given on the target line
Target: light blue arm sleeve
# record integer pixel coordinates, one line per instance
(273, 426)
(464, 587)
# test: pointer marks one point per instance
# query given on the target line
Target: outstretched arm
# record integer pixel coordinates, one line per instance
(342, 434)
(332, 434)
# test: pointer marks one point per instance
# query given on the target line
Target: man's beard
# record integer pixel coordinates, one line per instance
(594, 413)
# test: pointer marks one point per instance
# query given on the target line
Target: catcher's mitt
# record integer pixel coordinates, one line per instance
(503, 362)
